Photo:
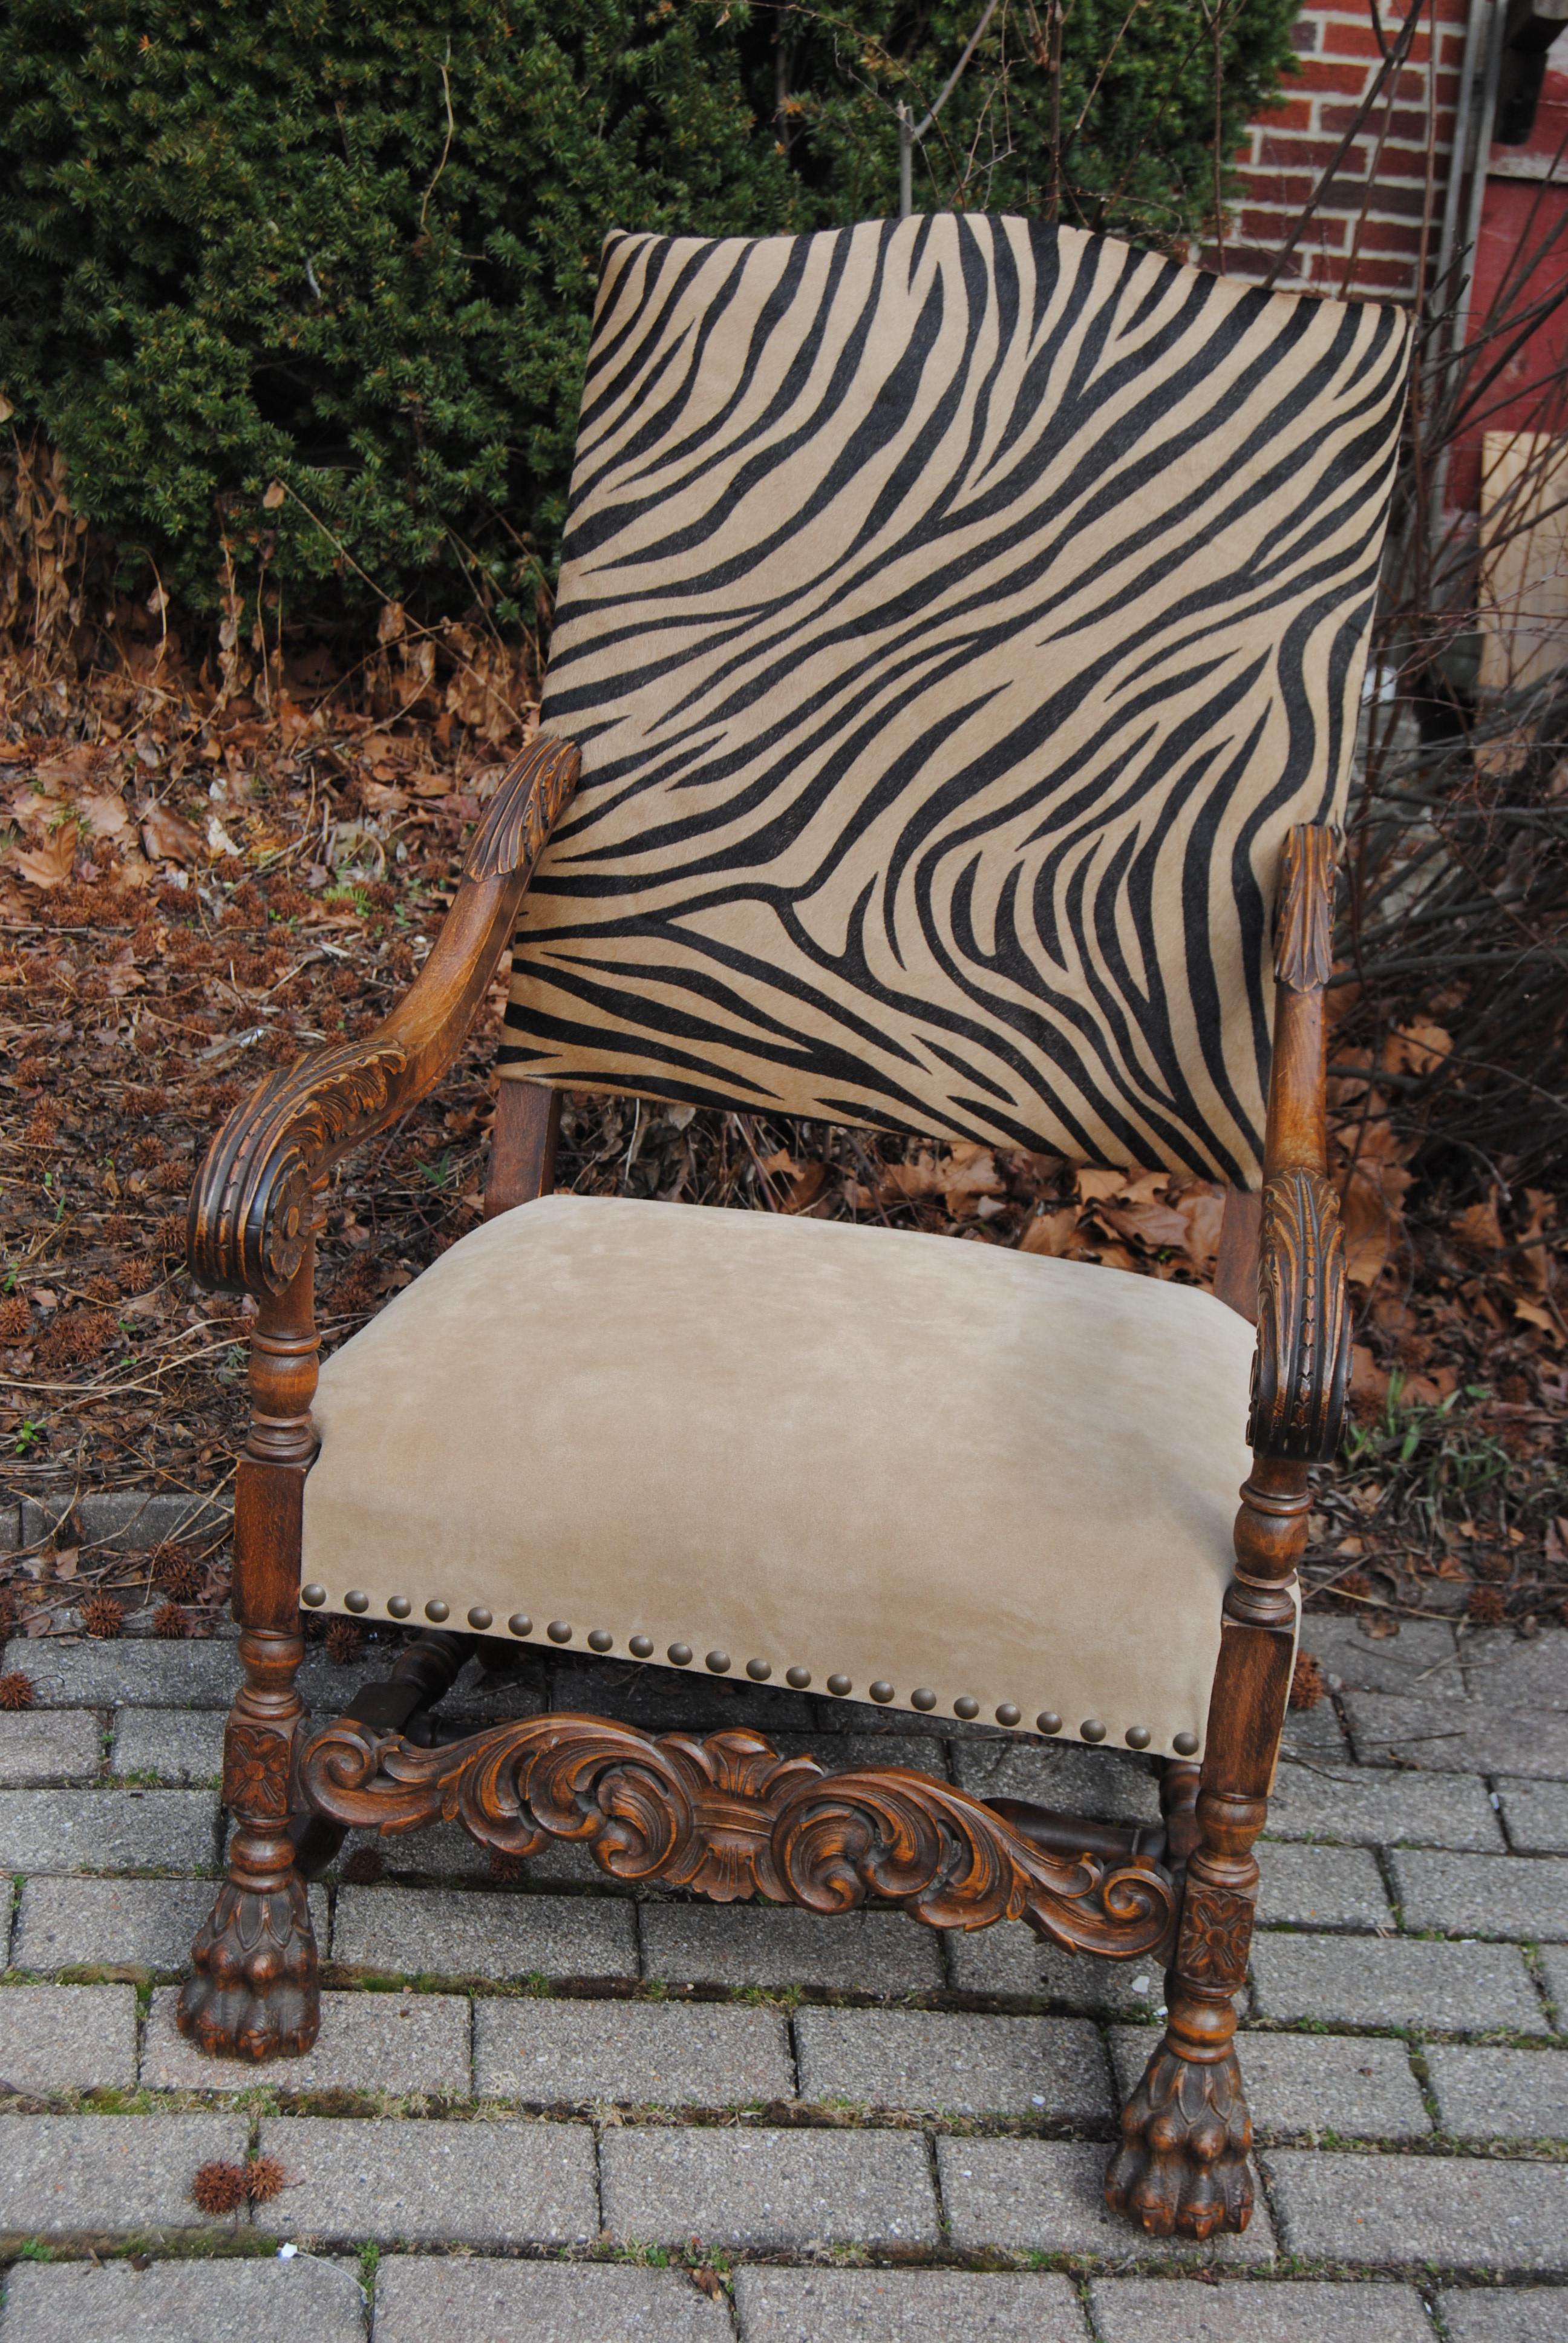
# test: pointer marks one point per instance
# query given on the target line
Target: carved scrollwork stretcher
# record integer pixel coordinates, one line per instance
(729, 1817)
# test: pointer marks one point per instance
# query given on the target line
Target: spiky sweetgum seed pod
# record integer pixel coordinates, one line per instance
(103, 1616)
(101, 1288)
(170, 1622)
(15, 1318)
(1355, 1582)
(118, 1228)
(220, 2188)
(16, 1690)
(343, 1640)
(364, 1866)
(135, 1275)
(1486, 1606)
(264, 2178)
(1307, 1685)
(505, 1868)
(180, 1574)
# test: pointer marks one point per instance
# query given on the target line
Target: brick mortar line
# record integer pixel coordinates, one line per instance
(1291, 2269)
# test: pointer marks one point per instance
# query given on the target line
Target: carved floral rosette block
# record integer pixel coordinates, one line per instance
(729, 1817)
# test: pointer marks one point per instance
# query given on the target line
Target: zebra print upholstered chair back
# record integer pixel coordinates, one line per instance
(956, 615)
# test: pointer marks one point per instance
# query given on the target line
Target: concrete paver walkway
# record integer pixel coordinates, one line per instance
(559, 2110)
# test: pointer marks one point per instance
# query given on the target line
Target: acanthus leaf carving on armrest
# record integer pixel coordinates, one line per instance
(1301, 1373)
(253, 1209)
(523, 810)
(1303, 926)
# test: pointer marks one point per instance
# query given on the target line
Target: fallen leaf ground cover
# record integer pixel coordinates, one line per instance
(196, 883)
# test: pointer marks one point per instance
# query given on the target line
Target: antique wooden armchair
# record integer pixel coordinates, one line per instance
(960, 638)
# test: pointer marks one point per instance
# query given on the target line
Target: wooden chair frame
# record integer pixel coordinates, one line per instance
(726, 1815)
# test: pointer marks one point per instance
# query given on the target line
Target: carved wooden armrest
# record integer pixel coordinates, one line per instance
(252, 1213)
(1301, 1373)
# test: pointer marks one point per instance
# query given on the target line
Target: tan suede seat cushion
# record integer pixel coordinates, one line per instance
(906, 1461)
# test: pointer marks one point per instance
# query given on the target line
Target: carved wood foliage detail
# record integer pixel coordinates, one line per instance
(1303, 930)
(523, 810)
(256, 1771)
(1216, 1931)
(729, 1817)
(1301, 1373)
(253, 1209)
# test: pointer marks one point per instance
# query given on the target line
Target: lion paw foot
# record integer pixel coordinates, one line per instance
(254, 1993)
(1181, 2167)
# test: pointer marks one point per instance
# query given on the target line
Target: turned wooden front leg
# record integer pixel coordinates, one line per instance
(1186, 2131)
(254, 1991)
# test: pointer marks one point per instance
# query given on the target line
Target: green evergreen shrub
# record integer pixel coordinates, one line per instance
(348, 253)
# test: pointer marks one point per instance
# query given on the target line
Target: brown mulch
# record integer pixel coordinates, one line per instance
(194, 886)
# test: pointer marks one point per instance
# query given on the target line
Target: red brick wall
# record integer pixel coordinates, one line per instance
(1338, 56)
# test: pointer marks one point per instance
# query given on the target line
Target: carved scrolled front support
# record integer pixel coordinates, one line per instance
(254, 1990)
(729, 1817)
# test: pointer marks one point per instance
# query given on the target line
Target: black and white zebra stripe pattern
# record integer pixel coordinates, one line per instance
(956, 614)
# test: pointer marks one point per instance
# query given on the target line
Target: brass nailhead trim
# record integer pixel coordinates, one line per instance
(680, 1655)
(600, 1639)
(1048, 1721)
(718, 1660)
(966, 1707)
(1092, 1729)
(1007, 1714)
(883, 1691)
(480, 1618)
(313, 1597)
(558, 1632)
(758, 1670)
(922, 1697)
(839, 1686)
(520, 1623)
(1185, 1745)
(1139, 1736)
(356, 1601)
(798, 1677)
(641, 1647)
(399, 1606)
(437, 1611)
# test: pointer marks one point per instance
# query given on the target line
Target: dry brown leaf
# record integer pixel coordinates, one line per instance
(105, 813)
(969, 1172)
(1478, 1228)
(49, 865)
(74, 765)
(383, 797)
(430, 785)
(273, 496)
(1150, 1223)
(1416, 1049)
(1202, 1211)
(800, 1181)
(1097, 1186)
(1533, 1315)
(169, 838)
(121, 974)
(1053, 1234)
